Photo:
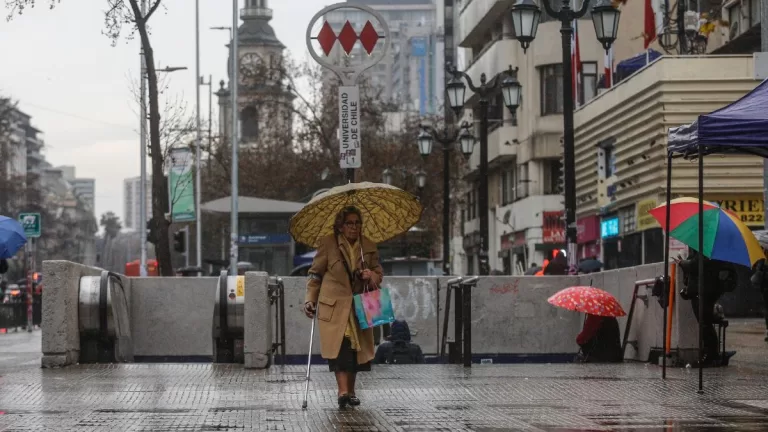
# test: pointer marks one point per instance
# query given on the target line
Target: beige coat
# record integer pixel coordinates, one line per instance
(331, 291)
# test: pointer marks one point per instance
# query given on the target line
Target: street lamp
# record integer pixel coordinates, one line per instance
(421, 179)
(447, 138)
(511, 90)
(525, 20)
(386, 176)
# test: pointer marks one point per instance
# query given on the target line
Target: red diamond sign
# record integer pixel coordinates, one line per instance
(326, 38)
(369, 37)
(348, 37)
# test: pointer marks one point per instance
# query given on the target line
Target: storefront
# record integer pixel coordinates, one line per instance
(552, 232)
(514, 253)
(471, 245)
(588, 236)
(750, 208)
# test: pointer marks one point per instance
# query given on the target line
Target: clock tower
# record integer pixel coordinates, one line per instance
(262, 92)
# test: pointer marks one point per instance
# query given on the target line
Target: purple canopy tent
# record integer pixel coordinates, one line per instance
(741, 127)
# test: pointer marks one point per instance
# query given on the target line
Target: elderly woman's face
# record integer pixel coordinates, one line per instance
(351, 227)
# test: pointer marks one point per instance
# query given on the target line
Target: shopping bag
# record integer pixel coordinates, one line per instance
(374, 308)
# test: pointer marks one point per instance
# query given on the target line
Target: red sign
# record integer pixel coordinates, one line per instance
(553, 227)
(588, 229)
(348, 37)
(520, 238)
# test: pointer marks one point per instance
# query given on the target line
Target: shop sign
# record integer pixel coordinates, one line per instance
(609, 227)
(644, 219)
(553, 227)
(506, 241)
(750, 209)
(519, 238)
(588, 229)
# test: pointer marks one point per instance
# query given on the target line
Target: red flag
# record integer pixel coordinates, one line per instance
(649, 29)
(576, 62)
(608, 68)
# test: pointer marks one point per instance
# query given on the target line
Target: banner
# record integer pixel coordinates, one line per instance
(181, 185)
(643, 219)
(553, 227)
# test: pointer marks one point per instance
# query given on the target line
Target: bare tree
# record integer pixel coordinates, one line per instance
(120, 13)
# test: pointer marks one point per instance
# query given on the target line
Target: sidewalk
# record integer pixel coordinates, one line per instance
(395, 398)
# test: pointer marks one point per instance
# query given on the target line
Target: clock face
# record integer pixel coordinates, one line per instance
(249, 64)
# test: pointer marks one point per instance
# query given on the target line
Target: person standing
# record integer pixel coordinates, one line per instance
(759, 280)
(344, 264)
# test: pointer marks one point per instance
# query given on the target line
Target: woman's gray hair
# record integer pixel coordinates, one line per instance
(342, 216)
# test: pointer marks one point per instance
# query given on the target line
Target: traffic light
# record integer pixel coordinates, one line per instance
(178, 241)
(560, 187)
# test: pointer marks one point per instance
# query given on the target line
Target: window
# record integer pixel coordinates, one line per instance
(472, 205)
(554, 175)
(609, 160)
(628, 223)
(522, 181)
(588, 82)
(508, 187)
(249, 123)
(551, 77)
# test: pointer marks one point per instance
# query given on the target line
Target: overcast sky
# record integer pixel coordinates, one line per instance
(64, 72)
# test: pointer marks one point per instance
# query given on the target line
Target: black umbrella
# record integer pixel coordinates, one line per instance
(590, 265)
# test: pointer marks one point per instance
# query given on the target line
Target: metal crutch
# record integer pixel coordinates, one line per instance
(309, 361)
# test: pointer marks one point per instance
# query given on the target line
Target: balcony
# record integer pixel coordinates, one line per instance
(494, 59)
(256, 12)
(477, 17)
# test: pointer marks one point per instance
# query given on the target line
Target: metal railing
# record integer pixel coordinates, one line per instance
(461, 348)
(277, 300)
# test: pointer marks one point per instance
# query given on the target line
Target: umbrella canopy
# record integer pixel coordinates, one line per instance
(12, 237)
(726, 238)
(387, 212)
(590, 265)
(589, 300)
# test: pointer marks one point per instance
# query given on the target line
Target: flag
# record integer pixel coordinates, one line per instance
(608, 68)
(576, 63)
(649, 27)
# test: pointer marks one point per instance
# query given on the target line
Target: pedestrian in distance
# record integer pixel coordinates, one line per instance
(759, 280)
(399, 349)
(346, 262)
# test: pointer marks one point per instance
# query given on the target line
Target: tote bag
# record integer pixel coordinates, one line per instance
(374, 308)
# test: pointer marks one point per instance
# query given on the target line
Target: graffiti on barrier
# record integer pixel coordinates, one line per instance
(509, 287)
(413, 299)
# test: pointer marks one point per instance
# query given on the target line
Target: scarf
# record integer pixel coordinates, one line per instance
(351, 254)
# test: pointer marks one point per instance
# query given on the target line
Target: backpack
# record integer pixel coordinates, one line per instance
(400, 354)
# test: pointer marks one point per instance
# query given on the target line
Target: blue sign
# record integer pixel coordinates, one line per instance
(419, 47)
(609, 227)
(264, 239)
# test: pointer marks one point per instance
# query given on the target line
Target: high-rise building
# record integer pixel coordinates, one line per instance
(84, 189)
(132, 200)
(410, 76)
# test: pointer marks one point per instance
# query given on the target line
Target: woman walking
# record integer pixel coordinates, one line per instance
(344, 264)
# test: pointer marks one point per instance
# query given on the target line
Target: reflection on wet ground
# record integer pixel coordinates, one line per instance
(487, 398)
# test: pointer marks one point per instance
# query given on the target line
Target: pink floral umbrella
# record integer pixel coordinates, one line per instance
(589, 300)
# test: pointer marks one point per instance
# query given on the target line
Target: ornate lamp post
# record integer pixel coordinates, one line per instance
(525, 20)
(511, 90)
(446, 137)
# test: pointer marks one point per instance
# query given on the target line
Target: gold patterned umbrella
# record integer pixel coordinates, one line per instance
(387, 212)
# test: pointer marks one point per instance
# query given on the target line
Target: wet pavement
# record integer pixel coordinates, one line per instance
(542, 397)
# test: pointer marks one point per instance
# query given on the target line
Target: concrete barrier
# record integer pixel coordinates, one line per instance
(59, 321)
(171, 318)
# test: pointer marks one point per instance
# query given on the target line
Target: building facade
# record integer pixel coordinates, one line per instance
(265, 117)
(83, 188)
(132, 202)
(621, 141)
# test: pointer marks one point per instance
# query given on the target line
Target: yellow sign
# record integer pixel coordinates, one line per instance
(240, 286)
(644, 219)
(750, 209)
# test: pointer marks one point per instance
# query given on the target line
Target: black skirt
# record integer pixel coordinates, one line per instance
(347, 360)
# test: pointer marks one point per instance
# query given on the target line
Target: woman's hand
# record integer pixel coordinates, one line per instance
(309, 309)
(366, 275)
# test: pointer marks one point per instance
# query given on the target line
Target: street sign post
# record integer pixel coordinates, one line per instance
(33, 227)
(350, 128)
